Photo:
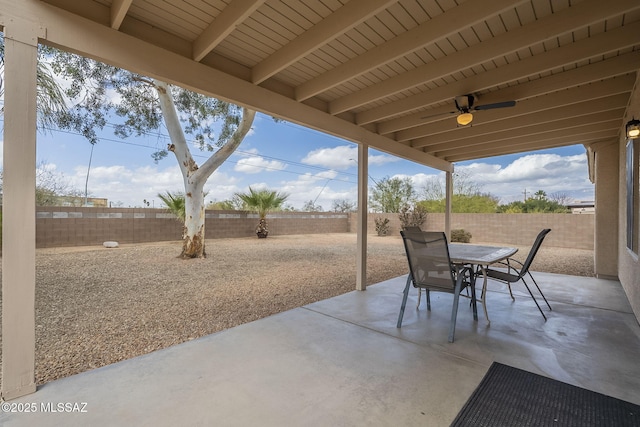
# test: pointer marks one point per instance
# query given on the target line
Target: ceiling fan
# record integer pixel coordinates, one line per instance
(464, 106)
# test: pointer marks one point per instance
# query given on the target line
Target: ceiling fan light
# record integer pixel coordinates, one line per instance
(464, 119)
(633, 129)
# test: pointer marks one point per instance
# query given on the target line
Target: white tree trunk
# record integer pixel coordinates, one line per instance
(195, 177)
(193, 233)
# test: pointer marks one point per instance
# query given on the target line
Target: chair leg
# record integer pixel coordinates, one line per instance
(404, 300)
(534, 299)
(419, 296)
(510, 293)
(454, 310)
(428, 299)
(539, 290)
(472, 281)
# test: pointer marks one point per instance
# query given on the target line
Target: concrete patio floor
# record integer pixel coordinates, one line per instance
(342, 361)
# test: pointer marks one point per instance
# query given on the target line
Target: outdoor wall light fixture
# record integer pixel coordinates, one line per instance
(633, 128)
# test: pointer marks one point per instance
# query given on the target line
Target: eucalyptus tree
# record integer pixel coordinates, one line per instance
(99, 95)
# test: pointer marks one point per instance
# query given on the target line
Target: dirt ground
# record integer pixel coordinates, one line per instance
(96, 306)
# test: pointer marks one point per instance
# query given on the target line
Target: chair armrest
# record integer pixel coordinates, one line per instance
(509, 266)
(516, 261)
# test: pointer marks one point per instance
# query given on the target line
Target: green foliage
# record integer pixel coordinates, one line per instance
(460, 203)
(263, 201)
(460, 236)
(97, 90)
(539, 203)
(232, 204)
(391, 194)
(50, 97)
(412, 216)
(467, 195)
(175, 203)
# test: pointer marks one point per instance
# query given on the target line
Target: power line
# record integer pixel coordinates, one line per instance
(237, 152)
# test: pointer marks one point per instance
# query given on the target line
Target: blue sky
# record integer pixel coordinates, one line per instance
(306, 164)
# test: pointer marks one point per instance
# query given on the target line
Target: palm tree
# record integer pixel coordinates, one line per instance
(50, 97)
(262, 201)
(175, 203)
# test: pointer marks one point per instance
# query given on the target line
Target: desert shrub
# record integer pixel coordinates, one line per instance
(412, 216)
(460, 236)
(382, 226)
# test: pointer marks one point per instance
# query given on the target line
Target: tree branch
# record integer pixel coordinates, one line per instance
(178, 141)
(219, 157)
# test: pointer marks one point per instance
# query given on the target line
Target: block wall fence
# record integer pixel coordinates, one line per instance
(62, 226)
(75, 226)
(567, 230)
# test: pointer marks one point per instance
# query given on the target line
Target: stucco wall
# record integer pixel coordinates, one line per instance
(567, 230)
(628, 262)
(606, 197)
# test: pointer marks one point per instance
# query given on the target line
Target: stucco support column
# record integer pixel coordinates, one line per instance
(447, 203)
(18, 216)
(363, 210)
(605, 248)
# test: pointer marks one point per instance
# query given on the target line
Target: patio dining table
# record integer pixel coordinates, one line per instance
(479, 256)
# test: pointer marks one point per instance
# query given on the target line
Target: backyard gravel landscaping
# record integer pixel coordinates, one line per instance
(96, 306)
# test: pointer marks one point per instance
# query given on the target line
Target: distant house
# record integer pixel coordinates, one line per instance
(81, 201)
(582, 208)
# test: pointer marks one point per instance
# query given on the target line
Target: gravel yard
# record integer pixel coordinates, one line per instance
(96, 306)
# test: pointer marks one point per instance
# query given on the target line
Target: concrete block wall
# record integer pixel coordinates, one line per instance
(76, 226)
(568, 230)
(71, 226)
(221, 224)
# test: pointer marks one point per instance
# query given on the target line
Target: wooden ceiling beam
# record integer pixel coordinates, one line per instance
(534, 144)
(565, 21)
(581, 50)
(595, 122)
(606, 69)
(336, 24)
(119, 9)
(233, 15)
(441, 26)
(579, 101)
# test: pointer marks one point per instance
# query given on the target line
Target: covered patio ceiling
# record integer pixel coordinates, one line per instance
(386, 73)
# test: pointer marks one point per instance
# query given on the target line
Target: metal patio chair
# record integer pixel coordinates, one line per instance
(513, 274)
(430, 268)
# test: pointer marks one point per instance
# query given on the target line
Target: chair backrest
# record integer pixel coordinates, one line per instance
(412, 228)
(533, 251)
(429, 262)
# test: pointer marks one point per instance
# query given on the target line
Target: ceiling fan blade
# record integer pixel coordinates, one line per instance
(495, 105)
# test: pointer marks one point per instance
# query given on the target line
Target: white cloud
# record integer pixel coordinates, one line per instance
(253, 163)
(257, 164)
(320, 188)
(342, 157)
(120, 184)
(551, 173)
(418, 180)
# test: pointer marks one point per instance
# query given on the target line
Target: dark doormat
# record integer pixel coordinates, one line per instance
(512, 397)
